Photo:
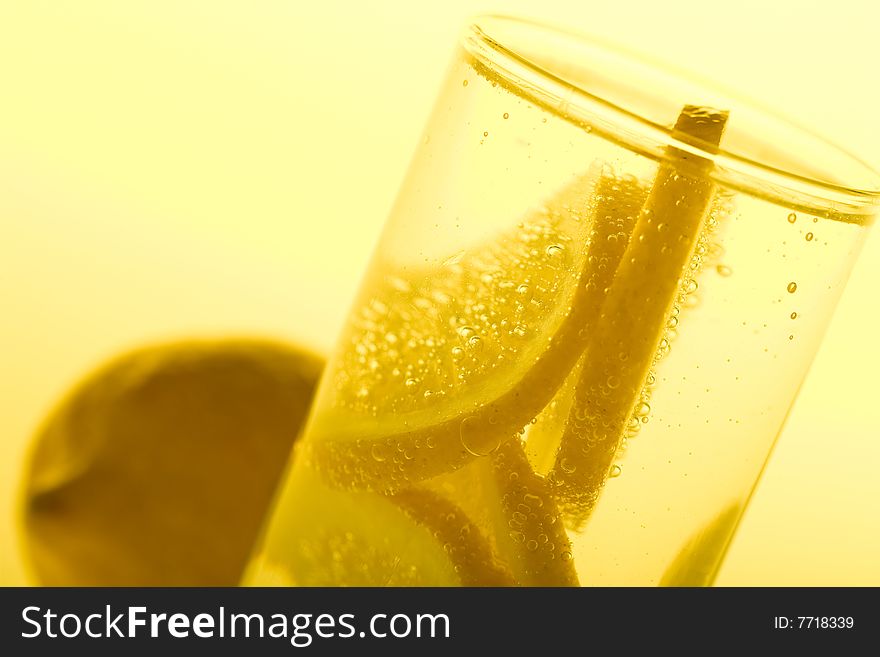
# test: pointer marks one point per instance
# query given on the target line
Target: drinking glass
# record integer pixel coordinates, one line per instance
(589, 313)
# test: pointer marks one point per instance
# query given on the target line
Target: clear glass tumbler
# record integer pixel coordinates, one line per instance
(591, 309)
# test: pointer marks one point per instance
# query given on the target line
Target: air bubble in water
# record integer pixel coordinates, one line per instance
(378, 452)
(615, 471)
(475, 439)
(533, 501)
(663, 349)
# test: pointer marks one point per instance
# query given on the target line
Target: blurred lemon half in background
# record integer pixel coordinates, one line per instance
(157, 469)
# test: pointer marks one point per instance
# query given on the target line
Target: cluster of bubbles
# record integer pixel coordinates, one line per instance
(528, 510)
(433, 335)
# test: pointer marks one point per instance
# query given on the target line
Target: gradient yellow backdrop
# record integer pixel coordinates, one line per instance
(175, 168)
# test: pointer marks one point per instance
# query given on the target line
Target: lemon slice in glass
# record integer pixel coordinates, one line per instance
(442, 364)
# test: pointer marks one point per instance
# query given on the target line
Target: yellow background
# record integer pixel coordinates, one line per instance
(172, 168)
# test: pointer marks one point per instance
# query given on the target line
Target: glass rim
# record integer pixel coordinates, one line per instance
(540, 84)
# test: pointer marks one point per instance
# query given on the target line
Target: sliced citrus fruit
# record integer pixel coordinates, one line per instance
(440, 366)
(543, 555)
(515, 508)
(417, 537)
(319, 536)
(633, 319)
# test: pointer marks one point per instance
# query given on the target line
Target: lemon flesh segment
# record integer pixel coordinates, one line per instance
(624, 343)
(524, 307)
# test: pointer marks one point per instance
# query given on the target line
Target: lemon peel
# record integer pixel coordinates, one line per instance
(634, 316)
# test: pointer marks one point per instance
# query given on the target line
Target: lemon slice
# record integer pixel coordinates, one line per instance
(417, 537)
(634, 317)
(523, 527)
(441, 365)
(346, 538)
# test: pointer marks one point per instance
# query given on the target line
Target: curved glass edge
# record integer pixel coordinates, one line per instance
(522, 77)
